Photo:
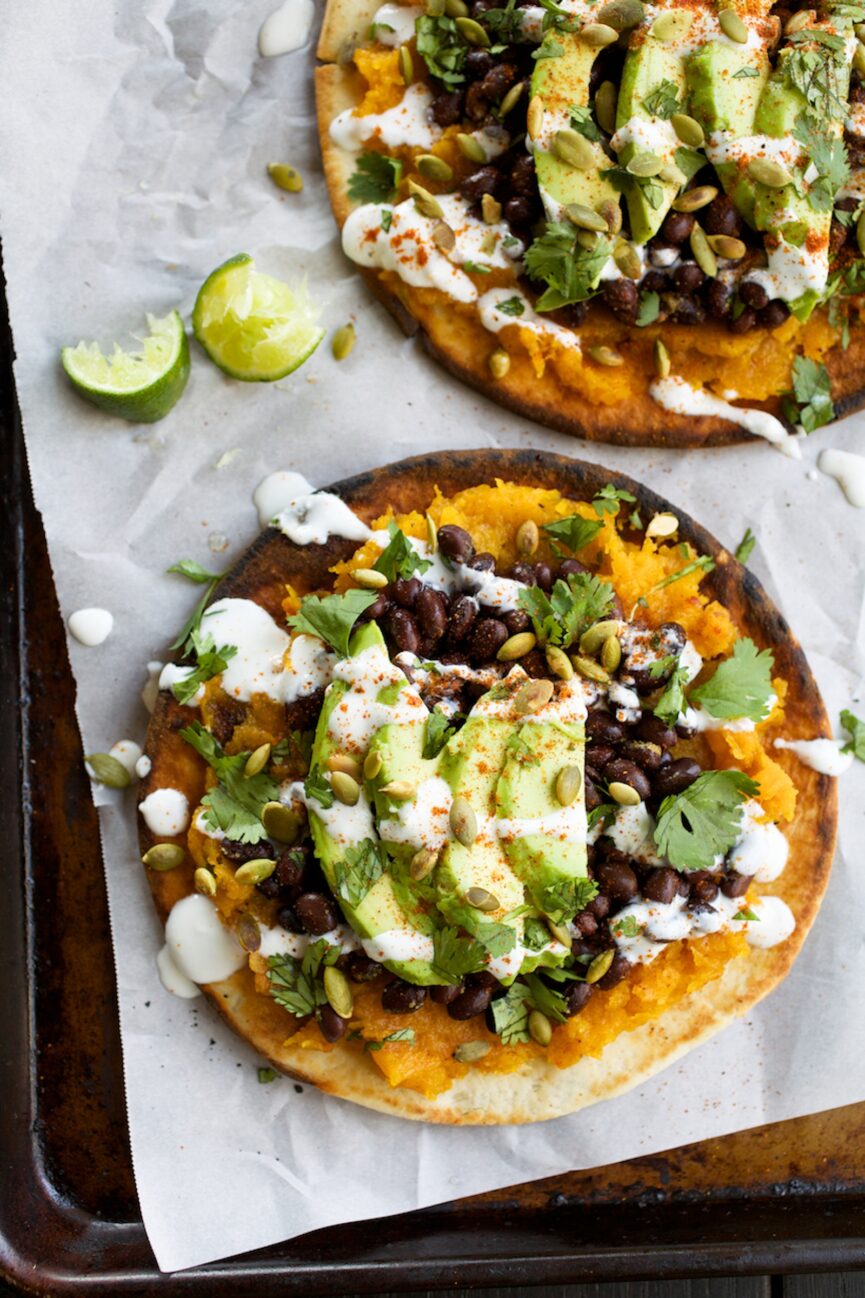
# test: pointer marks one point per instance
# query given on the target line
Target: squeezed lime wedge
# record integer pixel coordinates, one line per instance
(254, 327)
(139, 386)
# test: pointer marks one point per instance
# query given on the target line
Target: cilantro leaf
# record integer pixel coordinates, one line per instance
(399, 558)
(856, 730)
(573, 531)
(234, 805)
(607, 500)
(266, 1075)
(442, 48)
(662, 100)
(438, 732)
(703, 564)
(627, 926)
(294, 749)
(332, 618)
(741, 685)
(583, 122)
(210, 662)
(511, 1014)
(560, 617)
(672, 702)
(703, 822)
(536, 935)
(401, 1034)
(295, 984)
(316, 786)
(650, 309)
(562, 901)
(363, 865)
(569, 271)
(605, 814)
(812, 390)
(193, 571)
(546, 998)
(747, 913)
(514, 306)
(376, 178)
(455, 956)
(496, 939)
(745, 548)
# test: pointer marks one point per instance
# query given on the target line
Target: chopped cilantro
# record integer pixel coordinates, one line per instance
(511, 1014)
(562, 901)
(442, 48)
(210, 662)
(295, 984)
(583, 122)
(386, 219)
(496, 939)
(604, 815)
(747, 913)
(376, 179)
(536, 935)
(672, 702)
(607, 500)
(266, 1075)
(362, 866)
(627, 926)
(701, 823)
(635, 520)
(332, 618)
(455, 956)
(741, 685)
(475, 268)
(512, 306)
(316, 786)
(745, 72)
(549, 49)
(234, 805)
(662, 100)
(294, 749)
(193, 571)
(438, 731)
(560, 617)
(573, 531)
(568, 270)
(401, 1034)
(810, 403)
(703, 564)
(856, 729)
(745, 548)
(546, 998)
(399, 558)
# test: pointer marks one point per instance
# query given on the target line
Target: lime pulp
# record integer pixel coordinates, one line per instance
(138, 386)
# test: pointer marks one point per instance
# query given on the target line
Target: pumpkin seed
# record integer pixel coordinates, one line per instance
(399, 790)
(248, 933)
(587, 239)
(491, 209)
(606, 356)
(443, 236)
(592, 640)
(516, 646)
(559, 662)
(511, 99)
(597, 35)
(540, 1028)
(606, 97)
(463, 821)
(693, 199)
(624, 794)
(255, 871)
(472, 32)
(672, 175)
(343, 342)
(533, 696)
(612, 214)
(285, 177)
(164, 856)
(573, 149)
(769, 173)
(859, 60)
(860, 233)
(528, 538)
(499, 363)
(600, 965)
(662, 360)
(433, 168)
(645, 164)
(257, 760)
(372, 764)
(703, 255)
(369, 578)
(406, 65)
(732, 26)
(797, 22)
(469, 1052)
(569, 782)
(345, 788)
(662, 525)
(535, 116)
(590, 669)
(205, 882)
(281, 823)
(108, 771)
(672, 24)
(424, 201)
(622, 14)
(561, 933)
(689, 130)
(480, 899)
(338, 991)
(628, 261)
(344, 762)
(611, 653)
(727, 247)
(456, 9)
(422, 863)
(585, 218)
(488, 242)
(432, 536)
(471, 148)
(435, 8)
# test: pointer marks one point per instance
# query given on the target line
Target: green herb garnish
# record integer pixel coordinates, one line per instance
(703, 822)
(741, 685)
(376, 179)
(234, 805)
(362, 866)
(399, 558)
(332, 617)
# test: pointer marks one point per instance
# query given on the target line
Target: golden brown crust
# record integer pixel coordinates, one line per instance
(539, 1090)
(638, 421)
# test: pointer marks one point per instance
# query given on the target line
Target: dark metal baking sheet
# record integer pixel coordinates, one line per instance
(790, 1197)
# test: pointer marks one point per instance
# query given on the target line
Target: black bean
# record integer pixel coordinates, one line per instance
(498, 81)
(575, 313)
(622, 297)
(576, 997)
(477, 64)
(774, 314)
(621, 771)
(571, 566)
(316, 913)
(616, 878)
(470, 1003)
(685, 309)
(679, 775)
(455, 543)
(240, 853)
(586, 924)
(661, 885)
(444, 995)
(403, 631)
(703, 892)
(523, 180)
(735, 884)
(487, 637)
(516, 621)
(483, 562)
(376, 610)
(688, 277)
(227, 715)
(519, 211)
(402, 998)
(405, 591)
(462, 617)
(599, 906)
(361, 969)
(744, 322)
(289, 868)
(287, 918)
(753, 294)
(598, 755)
(603, 726)
(524, 572)
(654, 730)
(721, 217)
(593, 798)
(544, 576)
(331, 1026)
(447, 108)
(677, 227)
(837, 237)
(431, 612)
(484, 979)
(655, 281)
(486, 180)
(719, 299)
(616, 972)
(645, 755)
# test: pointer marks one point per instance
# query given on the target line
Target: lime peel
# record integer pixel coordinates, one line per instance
(140, 387)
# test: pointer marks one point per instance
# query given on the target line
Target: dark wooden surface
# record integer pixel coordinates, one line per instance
(849, 1285)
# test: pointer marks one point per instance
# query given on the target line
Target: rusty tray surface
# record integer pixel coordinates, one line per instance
(783, 1198)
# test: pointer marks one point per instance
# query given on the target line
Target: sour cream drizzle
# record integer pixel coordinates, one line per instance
(394, 23)
(847, 469)
(286, 29)
(165, 812)
(91, 626)
(288, 502)
(494, 319)
(822, 755)
(676, 395)
(199, 944)
(407, 123)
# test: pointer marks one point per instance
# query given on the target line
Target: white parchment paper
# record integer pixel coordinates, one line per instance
(133, 145)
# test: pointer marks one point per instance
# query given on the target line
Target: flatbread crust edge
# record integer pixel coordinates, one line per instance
(539, 1091)
(449, 337)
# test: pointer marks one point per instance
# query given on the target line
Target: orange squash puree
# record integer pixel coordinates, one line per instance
(385, 86)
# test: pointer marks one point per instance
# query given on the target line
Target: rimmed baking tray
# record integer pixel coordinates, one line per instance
(783, 1198)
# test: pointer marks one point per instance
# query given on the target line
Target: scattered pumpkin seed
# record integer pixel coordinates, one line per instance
(769, 173)
(703, 255)
(399, 790)
(645, 164)
(471, 148)
(432, 536)
(372, 764)
(343, 342)
(164, 856)
(587, 239)
(597, 35)
(472, 32)
(623, 794)
(662, 525)
(606, 98)
(463, 821)
(285, 177)
(600, 965)
(528, 538)
(627, 259)
(727, 247)
(672, 24)
(499, 363)
(257, 760)
(611, 653)
(469, 1052)
(663, 364)
(517, 646)
(592, 640)
(281, 822)
(590, 669)
(732, 26)
(205, 882)
(622, 14)
(344, 762)
(860, 233)
(108, 771)
(535, 116)
(423, 863)
(491, 209)
(443, 236)
(561, 933)
(456, 9)
(569, 782)
(612, 213)
(369, 579)
(424, 201)
(247, 932)
(488, 242)
(573, 149)
(689, 130)
(559, 662)
(434, 168)
(602, 355)
(255, 871)
(480, 899)
(511, 99)
(345, 788)
(693, 199)
(585, 218)
(540, 1028)
(406, 65)
(338, 991)
(533, 696)
(799, 21)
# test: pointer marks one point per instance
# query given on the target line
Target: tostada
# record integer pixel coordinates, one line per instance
(638, 223)
(463, 801)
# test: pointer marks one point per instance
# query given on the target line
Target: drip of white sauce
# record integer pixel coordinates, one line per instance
(494, 319)
(690, 662)
(677, 396)
(91, 626)
(399, 944)
(128, 754)
(406, 124)
(143, 767)
(361, 712)
(286, 501)
(200, 945)
(422, 820)
(648, 135)
(509, 964)
(762, 850)
(165, 812)
(822, 755)
(565, 825)
(279, 941)
(659, 923)
(774, 923)
(625, 701)
(847, 469)
(393, 24)
(286, 29)
(150, 693)
(172, 979)
(633, 832)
